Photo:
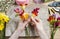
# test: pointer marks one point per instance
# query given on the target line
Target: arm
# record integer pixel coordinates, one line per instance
(40, 29)
(19, 30)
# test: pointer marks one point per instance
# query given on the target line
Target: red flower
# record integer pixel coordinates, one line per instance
(58, 18)
(51, 18)
(35, 11)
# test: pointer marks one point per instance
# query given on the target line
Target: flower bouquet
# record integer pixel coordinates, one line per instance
(4, 5)
(3, 20)
(54, 22)
(25, 16)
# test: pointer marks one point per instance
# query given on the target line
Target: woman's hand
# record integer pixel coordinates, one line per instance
(20, 28)
(40, 28)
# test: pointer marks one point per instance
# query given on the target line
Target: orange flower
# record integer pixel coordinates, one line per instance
(51, 18)
(26, 16)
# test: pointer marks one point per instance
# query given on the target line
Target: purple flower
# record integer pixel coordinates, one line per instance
(54, 15)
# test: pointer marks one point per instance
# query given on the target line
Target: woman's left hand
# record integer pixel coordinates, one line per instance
(20, 28)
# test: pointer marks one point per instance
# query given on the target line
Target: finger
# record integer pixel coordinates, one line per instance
(33, 20)
(37, 20)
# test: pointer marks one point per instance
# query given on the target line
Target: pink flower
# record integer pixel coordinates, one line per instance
(16, 10)
(19, 11)
(22, 2)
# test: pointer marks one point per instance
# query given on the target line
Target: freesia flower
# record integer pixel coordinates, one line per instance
(19, 11)
(23, 16)
(35, 12)
(26, 16)
(51, 18)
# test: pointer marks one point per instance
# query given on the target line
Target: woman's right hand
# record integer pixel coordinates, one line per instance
(40, 28)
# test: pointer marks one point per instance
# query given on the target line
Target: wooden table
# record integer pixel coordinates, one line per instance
(27, 37)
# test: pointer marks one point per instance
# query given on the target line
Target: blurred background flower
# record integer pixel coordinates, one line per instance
(54, 24)
(5, 4)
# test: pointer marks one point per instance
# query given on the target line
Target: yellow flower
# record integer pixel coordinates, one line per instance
(26, 16)
(1, 27)
(4, 17)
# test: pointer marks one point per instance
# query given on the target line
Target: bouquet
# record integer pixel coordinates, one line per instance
(3, 20)
(24, 16)
(54, 22)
